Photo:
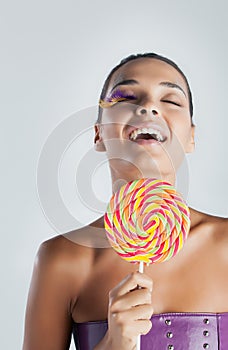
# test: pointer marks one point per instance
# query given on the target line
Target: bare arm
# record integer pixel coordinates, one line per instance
(48, 318)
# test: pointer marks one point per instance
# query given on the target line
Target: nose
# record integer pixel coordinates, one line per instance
(144, 111)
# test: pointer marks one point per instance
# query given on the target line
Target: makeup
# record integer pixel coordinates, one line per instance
(116, 96)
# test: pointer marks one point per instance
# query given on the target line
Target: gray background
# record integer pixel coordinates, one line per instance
(55, 56)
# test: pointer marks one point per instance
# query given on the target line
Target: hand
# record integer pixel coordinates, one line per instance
(130, 310)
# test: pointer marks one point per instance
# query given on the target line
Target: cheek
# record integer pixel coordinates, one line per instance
(111, 133)
(181, 138)
(118, 113)
(113, 122)
(181, 127)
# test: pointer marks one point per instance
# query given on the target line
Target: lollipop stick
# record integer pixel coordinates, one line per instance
(141, 268)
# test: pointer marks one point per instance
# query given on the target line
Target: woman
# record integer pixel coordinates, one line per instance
(184, 299)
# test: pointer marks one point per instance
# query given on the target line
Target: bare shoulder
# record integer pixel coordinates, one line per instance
(61, 268)
(220, 234)
(212, 230)
(72, 254)
(212, 223)
(217, 228)
(60, 247)
(64, 255)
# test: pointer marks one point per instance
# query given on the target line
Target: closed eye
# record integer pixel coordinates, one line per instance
(121, 98)
(172, 102)
(116, 97)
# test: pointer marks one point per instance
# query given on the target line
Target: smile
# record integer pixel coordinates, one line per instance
(147, 134)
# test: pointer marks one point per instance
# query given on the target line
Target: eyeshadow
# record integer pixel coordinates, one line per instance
(116, 96)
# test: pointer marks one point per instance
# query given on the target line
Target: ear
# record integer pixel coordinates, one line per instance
(99, 144)
(191, 145)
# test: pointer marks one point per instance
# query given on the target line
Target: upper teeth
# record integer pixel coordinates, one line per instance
(151, 131)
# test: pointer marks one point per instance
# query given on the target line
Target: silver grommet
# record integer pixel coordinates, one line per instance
(170, 347)
(206, 333)
(168, 322)
(169, 335)
(206, 346)
(206, 321)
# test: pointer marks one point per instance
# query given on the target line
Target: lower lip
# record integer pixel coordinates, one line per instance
(146, 142)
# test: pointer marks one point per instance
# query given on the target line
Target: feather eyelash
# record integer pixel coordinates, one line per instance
(117, 96)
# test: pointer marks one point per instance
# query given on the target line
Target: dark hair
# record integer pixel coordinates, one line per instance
(135, 57)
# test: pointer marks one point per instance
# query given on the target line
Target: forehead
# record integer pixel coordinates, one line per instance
(148, 70)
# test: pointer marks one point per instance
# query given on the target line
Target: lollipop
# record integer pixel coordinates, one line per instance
(147, 221)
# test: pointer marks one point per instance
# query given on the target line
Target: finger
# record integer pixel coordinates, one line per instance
(131, 299)
(131, 282)
(136, 328)
(143, 326)
(142, 312)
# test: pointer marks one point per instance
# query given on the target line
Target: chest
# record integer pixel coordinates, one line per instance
(193, 281)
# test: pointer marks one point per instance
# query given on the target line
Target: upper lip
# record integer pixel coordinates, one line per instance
(155, 126)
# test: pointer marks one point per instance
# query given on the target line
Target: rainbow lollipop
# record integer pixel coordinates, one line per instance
(147, 221)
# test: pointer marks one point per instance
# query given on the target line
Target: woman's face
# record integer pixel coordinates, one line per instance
(152, 95)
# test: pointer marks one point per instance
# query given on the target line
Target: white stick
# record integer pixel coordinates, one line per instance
(141, 268)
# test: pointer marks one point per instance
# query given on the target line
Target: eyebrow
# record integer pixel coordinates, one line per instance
(125, 82)
(163, 83)
(172, 85)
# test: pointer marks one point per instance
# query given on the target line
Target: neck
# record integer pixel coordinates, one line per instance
(120, 178)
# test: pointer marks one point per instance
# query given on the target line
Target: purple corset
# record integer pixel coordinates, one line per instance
(170, 331)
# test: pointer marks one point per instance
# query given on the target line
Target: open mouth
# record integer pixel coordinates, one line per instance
(148, 135)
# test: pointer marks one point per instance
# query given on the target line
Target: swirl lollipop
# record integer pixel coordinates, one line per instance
(147, 221)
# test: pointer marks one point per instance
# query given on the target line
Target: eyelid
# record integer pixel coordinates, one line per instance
(120, 96)
(119, 93)
(117, 96)
(172, 102)
(173, 98)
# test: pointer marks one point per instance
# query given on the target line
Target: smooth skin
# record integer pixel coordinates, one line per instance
(73, 281)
